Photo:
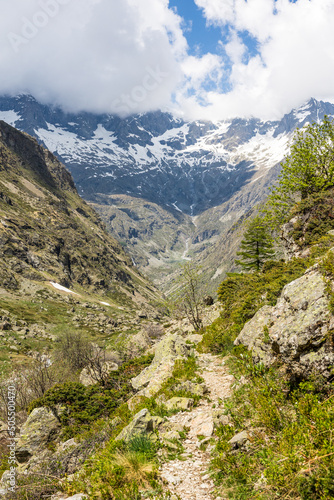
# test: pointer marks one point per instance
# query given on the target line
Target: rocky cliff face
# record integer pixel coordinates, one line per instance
(47, 232)
(297, 331)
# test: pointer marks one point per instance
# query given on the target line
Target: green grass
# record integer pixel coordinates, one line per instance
(291, 450)
(242, 295)
(121, 471)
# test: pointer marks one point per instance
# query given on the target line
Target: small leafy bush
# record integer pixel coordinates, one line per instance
(85, 405)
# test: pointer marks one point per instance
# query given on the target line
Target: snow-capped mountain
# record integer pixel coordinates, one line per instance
(188, 166)
(168, 189)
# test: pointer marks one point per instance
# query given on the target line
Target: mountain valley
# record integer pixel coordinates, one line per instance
(167, 189)
(119, 394)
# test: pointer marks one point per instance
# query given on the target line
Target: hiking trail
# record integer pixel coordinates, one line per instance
(190, 478)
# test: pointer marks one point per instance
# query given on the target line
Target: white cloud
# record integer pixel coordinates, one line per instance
(97, 55)
(199, 71)
(217, 11)
(235, 48)
(295, 60)
(132, 56)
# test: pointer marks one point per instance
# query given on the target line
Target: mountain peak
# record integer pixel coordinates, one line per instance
(189, 165)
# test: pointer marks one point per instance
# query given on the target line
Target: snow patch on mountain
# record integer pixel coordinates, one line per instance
(10, 117)
(264, 151)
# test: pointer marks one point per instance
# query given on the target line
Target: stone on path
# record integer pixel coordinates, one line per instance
(189, 478)
(179, 403)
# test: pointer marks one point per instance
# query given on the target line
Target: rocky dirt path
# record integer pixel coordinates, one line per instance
(189, 478)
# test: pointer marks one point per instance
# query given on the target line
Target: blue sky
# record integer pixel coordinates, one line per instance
(201, 37)
(210, 59)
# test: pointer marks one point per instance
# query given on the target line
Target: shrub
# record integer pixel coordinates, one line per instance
(84, 405)
(242, 295)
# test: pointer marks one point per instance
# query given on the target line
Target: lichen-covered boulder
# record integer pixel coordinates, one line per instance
(181, 404)
(170, 439)
(150, 380)
(41, 427)
(143, 424)
(295, 330)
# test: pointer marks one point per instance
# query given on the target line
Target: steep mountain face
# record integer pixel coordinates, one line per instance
(192, 166)
(167, 188)
(48, 233)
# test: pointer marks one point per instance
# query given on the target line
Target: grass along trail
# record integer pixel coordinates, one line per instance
(189, 478)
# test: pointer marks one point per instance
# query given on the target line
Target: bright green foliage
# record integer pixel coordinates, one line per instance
(291, 452)
(256, 247)
(84, 405)
(242, 295)
(307, 170)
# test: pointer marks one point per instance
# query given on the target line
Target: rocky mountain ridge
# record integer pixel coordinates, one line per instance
(168, 189)
(58, 265)
(188, 166)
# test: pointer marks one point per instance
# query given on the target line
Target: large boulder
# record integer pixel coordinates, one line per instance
(41, 427)
(296, 330)
(169, 349)
(143, 424)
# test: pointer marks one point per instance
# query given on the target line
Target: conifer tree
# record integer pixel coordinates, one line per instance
(256, 246)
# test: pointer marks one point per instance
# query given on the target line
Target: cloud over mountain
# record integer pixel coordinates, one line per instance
(132, 56)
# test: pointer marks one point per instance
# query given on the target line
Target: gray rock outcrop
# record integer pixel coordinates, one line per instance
(296, 330)
(41, 427)
(180, 404)
(143, 424)
(150, 380)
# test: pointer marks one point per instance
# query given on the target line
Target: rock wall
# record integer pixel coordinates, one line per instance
(297, 331)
